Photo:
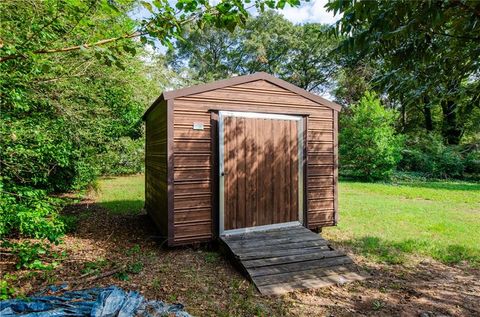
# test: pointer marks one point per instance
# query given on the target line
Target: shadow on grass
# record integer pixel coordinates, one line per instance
(395, 252)
(431, 184)
(444, 185)
(124, 207)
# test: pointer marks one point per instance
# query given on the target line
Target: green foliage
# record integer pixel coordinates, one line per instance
(94, 267)
(30, 254)
(122, 156)
(352, 83)
(211, 257)
(133, 250)
(369, 147)
(6, 290)
(29, 212)
(425, 57)
(299, 54)
(70, 223)
(135, 267)
(60, 113)
(107, 35)
(427, 154)
(122, 276)
(472, 161)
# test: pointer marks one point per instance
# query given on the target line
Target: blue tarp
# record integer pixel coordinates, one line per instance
(105, 302)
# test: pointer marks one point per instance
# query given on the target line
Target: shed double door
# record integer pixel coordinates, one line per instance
(261, 183)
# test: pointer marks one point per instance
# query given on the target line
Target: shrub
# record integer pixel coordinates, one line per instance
(29, 212)
(26, 212)
(472, 161)
(124, 156)
(369, 147)
(427, 154)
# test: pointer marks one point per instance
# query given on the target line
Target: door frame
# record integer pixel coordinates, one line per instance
(221, 169)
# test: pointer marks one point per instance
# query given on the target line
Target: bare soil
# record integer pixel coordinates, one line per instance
(127, 251)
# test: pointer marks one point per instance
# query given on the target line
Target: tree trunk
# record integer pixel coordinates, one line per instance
(427, 113)
(451, 129)
(404, 116)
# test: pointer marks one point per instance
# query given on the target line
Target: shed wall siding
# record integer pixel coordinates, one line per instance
(156, 199)
(193, 152)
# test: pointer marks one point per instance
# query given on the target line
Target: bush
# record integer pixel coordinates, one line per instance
(369, 147)
(472, 161)
(427, 154)
(26, 212)
(125, 156)
(29, 212)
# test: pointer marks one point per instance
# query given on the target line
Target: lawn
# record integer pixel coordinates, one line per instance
(385, 222)
(389, 222)
(399, 234)
(121, 195)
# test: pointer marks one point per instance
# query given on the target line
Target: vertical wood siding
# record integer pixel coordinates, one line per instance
(261, 172)
(193, 152)
(156, 170)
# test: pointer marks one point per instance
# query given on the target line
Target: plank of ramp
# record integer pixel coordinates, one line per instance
(255, 235)
(309, 283)
(282, 252)
(287, 259)
(293, 245)
(298, 266)
(306, 256)
(299, 275)
(273, 241)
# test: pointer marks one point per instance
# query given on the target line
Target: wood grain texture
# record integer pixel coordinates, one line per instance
(194, 151)
(170, 173)
(244, 180)
(156, 167)
(276, 266)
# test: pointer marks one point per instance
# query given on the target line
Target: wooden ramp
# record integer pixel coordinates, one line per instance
(287, 259)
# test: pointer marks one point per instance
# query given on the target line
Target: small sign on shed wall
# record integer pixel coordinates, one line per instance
(198, 126)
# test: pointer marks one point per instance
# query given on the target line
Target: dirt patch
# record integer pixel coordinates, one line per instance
(127, 251)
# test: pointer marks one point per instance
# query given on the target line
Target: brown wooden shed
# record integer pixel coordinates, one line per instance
(247, 153)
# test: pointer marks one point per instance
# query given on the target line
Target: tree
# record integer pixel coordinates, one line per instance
(74, 85)
(55, 32)
(269, 43)
(369, 147)
(428, 50)
(352, 83)
(61, 114)
(310, 63)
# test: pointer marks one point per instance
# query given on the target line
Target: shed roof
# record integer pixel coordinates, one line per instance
(241, 80)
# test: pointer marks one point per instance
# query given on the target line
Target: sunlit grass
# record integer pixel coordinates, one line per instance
(385, 222)
(123, 194)
(388, 221)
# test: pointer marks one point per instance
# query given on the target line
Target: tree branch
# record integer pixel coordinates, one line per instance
(467, 7)
(457, 36)
(74, 48)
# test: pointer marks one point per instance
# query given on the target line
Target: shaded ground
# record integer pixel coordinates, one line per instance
(200, 278)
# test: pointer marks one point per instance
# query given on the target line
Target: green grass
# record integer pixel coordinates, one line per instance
(122, 195)
(387, 222)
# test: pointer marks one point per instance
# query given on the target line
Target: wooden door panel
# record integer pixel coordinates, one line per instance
(261, 171)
